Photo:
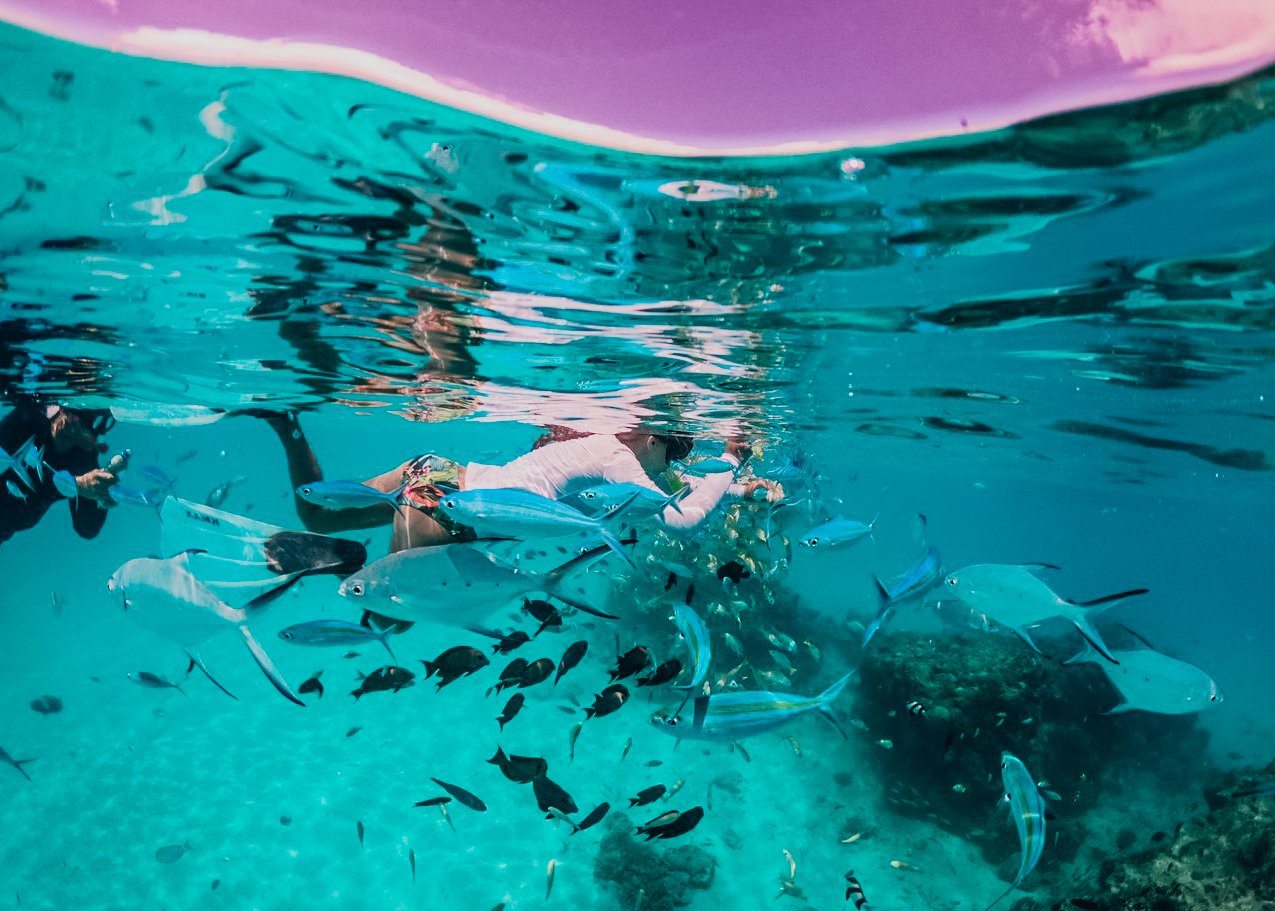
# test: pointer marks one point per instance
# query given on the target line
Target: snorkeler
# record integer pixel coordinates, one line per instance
(561, 463)
(50, 453)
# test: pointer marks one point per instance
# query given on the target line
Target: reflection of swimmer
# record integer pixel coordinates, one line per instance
(68, 438)
(563, 462)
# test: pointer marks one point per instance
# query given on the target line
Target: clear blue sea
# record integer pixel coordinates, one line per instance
(1056, 342)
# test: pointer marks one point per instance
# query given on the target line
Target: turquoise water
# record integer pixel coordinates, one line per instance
(1055, 342)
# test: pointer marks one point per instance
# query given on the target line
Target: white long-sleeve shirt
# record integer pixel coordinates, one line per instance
(563, 468)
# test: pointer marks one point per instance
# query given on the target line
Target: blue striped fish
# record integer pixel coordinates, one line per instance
(732, 716)
(1027, 808)
(693, 630)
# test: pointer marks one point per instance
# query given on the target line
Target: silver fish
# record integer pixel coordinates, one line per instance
(836, 532)
(457, 584)
(1013, 596)
(347, 495)
(1149, 681)
(335, 632)
(165, 597)
(521, 514)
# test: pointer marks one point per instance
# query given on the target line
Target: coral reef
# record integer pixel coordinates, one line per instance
(1224, 860)
(660, 879)
(984, 694)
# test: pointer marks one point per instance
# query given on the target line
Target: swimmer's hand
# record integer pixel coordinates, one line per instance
(95, 484)
(773, 491)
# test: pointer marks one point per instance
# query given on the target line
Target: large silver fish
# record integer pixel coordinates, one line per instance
(1149, 681)
(458, 584)
(163, 596)
(1027, 808)
(732, 716)
(1012, 596)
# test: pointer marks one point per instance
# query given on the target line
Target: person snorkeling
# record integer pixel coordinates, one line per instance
(561, 463)
(50, 453)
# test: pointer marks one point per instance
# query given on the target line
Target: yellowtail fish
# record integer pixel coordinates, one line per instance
(732, 716)
(698, 641)
(553, 865)
(792, 864)
(1027, 808)
(852, 839)
(903, 865)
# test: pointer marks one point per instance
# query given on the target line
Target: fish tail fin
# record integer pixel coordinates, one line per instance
(499, 758)
(833, 691)
(430, 668)
(1087, 630)
(1086, 654)
(196, 662)
(19, 763)
(384, 639)
(883, 593)
(553, 581)
(268, 668)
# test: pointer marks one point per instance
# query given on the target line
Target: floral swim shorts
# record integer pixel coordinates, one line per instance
(429, 478)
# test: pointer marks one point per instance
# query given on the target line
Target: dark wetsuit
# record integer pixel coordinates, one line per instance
(26, 421)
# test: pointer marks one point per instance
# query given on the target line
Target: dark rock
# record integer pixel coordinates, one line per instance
(663, 878)
(1125, 839)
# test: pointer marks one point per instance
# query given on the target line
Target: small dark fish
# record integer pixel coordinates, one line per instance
(510, 642)
(672, 580)
(520, 769)
(354, 730)
(628, 745)
(653, 763)
(433, 801)
(634, 660)
(47, 705)
(511, 674)
(537, 671)
(155, 681)
(732, 571)
(1084, 904)
(855, 891)
(546, 613)
(679, 826)
(215, 884)
(312, 685)
(468, 799)
(390, 678)
(511, 709)
(186, 456)
(411, 859)
(662, 674)
(360, 830)
(351, 654)
(1159, 836)
(285, 820)
(170, 854)
(457, 662)
(609, 700)
(551, 796)
(594, 817)
(690, 594)
(647, 795)
(916, 709)
(570, 658)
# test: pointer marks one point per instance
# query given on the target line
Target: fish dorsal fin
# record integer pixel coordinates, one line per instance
(1038, 567)
(1138, 637)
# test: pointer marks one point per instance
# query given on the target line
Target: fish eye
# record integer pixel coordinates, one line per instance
(356, 589)
(951, 580)
(812, 542)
